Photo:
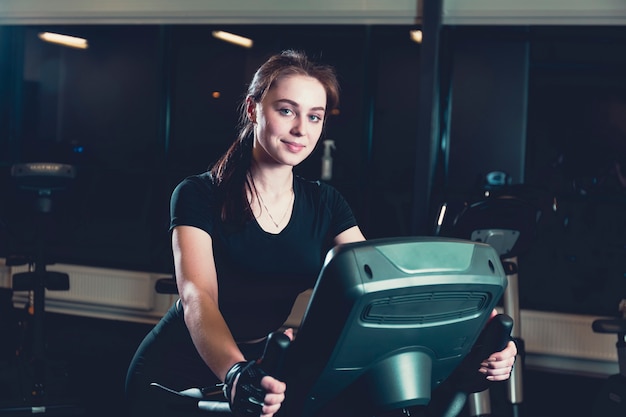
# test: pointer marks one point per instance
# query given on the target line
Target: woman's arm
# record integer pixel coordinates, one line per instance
(196, 278)
(350, 235)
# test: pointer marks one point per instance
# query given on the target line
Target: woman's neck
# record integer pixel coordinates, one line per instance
(271, 197)
(274, 181)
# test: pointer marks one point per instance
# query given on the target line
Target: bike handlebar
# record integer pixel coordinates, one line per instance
(494, 337)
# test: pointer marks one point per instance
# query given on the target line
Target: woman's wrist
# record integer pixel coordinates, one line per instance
(231, 378)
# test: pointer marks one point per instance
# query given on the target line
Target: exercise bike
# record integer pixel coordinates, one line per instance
(390, 322)
(504, 216)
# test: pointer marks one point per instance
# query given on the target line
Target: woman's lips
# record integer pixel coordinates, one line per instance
(293, 146)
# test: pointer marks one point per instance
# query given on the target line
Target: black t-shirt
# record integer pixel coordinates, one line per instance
(260, 274)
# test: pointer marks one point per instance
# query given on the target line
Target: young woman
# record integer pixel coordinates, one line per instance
(255, 233)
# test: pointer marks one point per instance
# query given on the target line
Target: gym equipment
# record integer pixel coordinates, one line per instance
(507, 222)
(42, 178)
(391, 320)
(166, 285)
(611, 401)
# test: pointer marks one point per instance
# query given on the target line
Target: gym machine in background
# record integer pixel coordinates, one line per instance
(504, 217)
(41, 180)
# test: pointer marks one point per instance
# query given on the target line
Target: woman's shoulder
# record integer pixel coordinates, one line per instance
(198, 181)
(326, 197)
(308, 186)
(316, 188)
(193, 203)
(204, 179)
(198, 184)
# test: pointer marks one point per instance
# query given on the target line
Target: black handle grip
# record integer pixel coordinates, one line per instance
(274, 354)
(494, 337)
(617, 326)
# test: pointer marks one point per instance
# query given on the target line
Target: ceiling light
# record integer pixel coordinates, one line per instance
(232, 38)
(65, 40)
(416, 35)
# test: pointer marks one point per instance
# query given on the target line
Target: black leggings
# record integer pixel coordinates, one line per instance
(167, 356)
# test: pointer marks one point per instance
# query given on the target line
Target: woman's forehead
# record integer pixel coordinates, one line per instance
(302, 89)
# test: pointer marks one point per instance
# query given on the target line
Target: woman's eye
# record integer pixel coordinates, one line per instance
(315, 118)
(286, 112)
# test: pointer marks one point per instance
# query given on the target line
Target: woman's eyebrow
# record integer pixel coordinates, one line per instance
(295, 104)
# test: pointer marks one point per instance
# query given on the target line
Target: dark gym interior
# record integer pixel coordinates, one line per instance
(138, 111)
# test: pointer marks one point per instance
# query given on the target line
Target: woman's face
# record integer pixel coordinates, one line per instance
(289, 120)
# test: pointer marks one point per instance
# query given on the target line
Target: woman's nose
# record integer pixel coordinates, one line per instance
(299, 126)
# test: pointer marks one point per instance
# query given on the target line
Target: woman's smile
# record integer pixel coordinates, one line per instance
(293, 146)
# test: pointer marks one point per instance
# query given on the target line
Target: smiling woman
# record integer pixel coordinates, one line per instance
(283, 124)
(261, 230)
(226, 228)
(288, 122)
(287, 127)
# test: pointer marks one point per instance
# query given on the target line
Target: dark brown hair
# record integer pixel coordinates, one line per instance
(230, 171)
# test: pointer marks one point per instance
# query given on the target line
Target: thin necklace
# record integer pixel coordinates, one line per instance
(270, 214)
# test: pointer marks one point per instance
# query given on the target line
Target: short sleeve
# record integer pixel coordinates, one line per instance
(193, 204)
(341, 212)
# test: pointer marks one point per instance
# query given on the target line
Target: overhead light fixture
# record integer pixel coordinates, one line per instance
(416, 35)
(65, 40)
(232, 38)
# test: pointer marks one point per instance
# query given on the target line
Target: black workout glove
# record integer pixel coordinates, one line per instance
(249, 395)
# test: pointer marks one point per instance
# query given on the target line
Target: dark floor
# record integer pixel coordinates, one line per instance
(88, 359)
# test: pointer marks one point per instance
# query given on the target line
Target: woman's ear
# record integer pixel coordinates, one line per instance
(251, 109)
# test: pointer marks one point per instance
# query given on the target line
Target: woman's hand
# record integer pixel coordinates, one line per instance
(274, 397)
(289, 333)
(499, 365)
(253, 393)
